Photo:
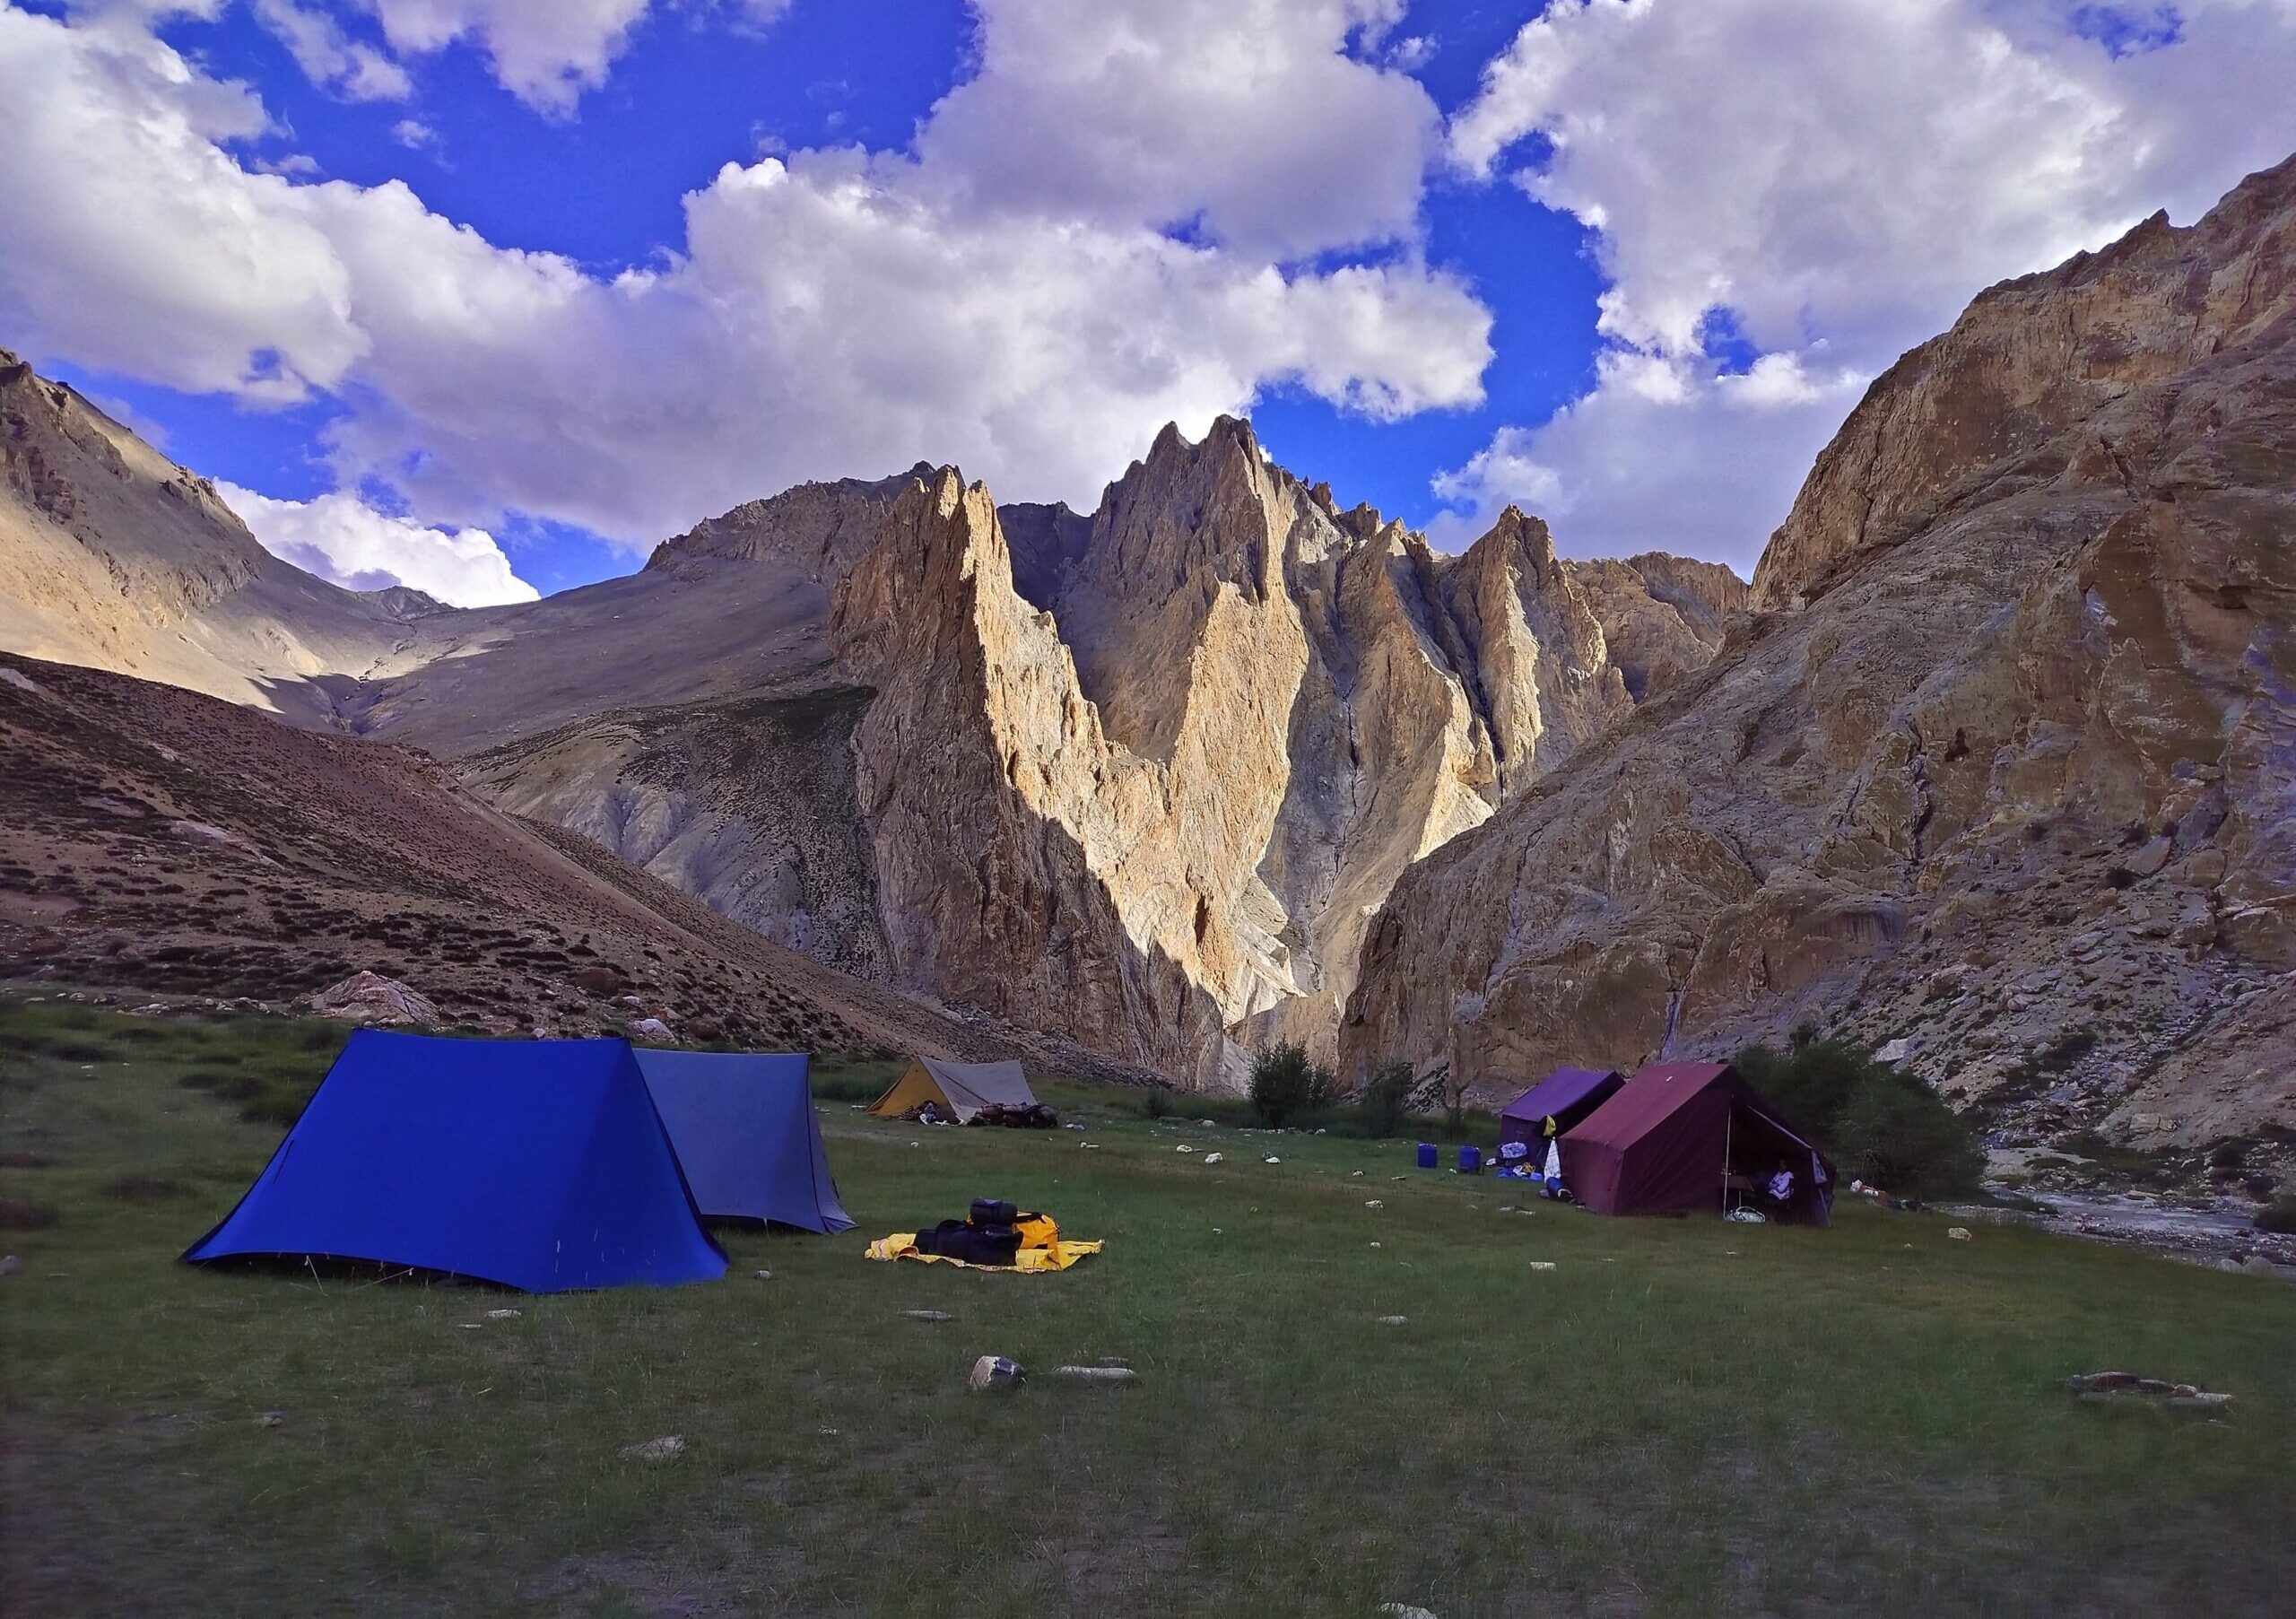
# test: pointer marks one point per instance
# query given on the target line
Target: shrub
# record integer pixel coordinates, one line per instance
(1384, 1098)
(2278, 1215)
(1156, 1103)
(1877, 1123)
(1285, 1085)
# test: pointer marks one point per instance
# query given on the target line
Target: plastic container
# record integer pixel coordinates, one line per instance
(1470, 1161)
(1429, 1157)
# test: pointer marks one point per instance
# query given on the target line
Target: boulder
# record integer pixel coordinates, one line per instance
(370, 998)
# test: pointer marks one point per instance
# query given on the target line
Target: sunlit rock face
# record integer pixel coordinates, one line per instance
(2005, 762)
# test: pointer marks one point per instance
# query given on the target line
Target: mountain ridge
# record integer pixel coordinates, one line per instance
(1316, 699)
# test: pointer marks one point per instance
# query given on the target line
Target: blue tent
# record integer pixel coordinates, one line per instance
(745, 1133)
(536, 1164)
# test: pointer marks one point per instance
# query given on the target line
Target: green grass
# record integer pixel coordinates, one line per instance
(1681, 1417)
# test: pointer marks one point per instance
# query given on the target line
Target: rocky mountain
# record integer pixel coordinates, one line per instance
(1139, 777)
(2004, 768)
(113, 556)
(1157, 806)
(155, 838)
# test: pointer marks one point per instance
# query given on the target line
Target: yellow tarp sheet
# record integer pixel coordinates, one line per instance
(1059, 1256)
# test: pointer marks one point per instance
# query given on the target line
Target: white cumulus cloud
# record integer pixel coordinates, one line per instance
(330, 58)
(1828, 184)
(340, 538)
(830, 313)
(1247, 116)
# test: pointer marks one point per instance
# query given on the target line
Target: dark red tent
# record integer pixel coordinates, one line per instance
(1566, 1096)
(1685, 1137)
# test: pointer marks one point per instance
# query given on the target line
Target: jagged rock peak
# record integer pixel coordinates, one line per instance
(1516, 536)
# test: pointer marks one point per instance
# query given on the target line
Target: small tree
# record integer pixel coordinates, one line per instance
(1456, 1082)
(1877, 1122)
(1385, 1097)
(1285, 1083)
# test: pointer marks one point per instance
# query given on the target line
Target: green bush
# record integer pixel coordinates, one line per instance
(1877, 1123)
(1285, 1085)
(1156, 1103)
(2278, 1215)
(1382, 1107)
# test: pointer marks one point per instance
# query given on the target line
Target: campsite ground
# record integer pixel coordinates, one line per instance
(1681, 1416)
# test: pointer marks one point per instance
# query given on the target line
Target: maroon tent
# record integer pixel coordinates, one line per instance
(1694, 1136)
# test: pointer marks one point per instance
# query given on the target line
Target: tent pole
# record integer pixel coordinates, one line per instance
(1727, 1121)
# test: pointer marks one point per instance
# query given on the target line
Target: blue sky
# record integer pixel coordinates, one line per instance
(465, 292)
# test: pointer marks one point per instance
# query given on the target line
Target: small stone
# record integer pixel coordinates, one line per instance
(502, 1314)
(1404, 1610)
(1895, 1051)
(762, 1275)
(1355, 1174)
(1375, 1245)
(10, 1265)
(1183, 1147)
(1095, 1374)
(1211, 1158)
(1373, 1203)
(1208, 1124)
(271, 1419)
(668, 1447)
(2151, 858)
(928, 1315)
(1271, 1160)
(2256, 1265)
(1960, 1234)
(1393, 1321)
(996, 1372)
(1542, 1265)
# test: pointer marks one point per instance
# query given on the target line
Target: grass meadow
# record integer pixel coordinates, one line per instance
(1680, 1417)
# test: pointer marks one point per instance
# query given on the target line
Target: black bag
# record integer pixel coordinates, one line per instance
(974, 1244)
(993, 1211)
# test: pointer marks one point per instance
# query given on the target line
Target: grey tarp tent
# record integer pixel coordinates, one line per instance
(962, 1088)
(743, 1128)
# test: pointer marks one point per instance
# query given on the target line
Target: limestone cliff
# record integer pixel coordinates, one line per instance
(1158, 810)
(2009, 768)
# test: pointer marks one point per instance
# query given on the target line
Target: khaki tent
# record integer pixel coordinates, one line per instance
(964, 1089)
